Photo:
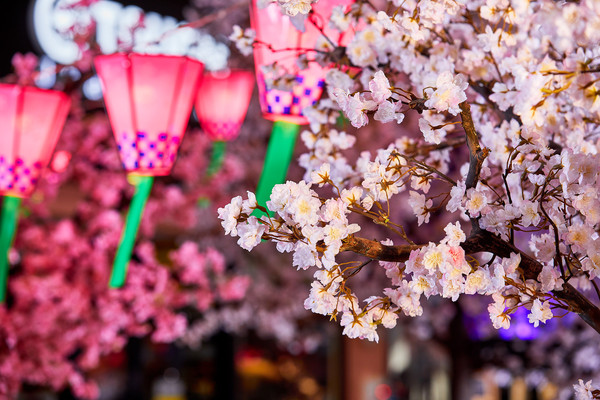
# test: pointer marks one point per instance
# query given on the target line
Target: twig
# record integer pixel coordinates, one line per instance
(428, 148)
(201, 22)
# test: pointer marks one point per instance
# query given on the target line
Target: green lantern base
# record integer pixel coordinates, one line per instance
(217, 157)
(8, 227)
(277, 161)
(143, 185)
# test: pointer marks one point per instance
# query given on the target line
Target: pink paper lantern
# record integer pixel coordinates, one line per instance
(279, 41)
(149, 100)
(222, 102)
(31, 120)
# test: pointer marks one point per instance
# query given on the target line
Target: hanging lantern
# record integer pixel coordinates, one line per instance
(222, 102)
(31, 120)
(149, 100)
(279, 43)
(221, 106)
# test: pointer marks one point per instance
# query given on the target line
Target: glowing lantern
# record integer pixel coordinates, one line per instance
(279, 43)
(31, 120)
(221, 106)
(149, 100)
(222, 102)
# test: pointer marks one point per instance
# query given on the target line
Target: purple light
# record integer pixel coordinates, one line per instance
(479, 326)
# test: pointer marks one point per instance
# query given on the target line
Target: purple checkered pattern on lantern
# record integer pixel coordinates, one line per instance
(141, 153)
(222, 130)
(18, 178)
(307, 90)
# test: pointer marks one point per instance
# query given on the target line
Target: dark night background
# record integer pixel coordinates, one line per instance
(15, 25)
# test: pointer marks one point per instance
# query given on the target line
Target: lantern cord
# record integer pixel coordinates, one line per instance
(277, 160)
(9, 219)
(217, 157)
(143, 185)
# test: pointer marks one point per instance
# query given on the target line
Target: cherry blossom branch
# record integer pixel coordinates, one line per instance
(481, 241)
(376, 250)
(485, 241)
(476, 154)
(507, 115)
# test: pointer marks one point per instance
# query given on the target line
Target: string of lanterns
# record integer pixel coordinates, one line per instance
(149, 99)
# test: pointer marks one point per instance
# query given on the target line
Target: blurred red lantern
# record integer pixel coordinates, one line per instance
(278, 41)
(149, 100)
(31, 120)
(222, 102)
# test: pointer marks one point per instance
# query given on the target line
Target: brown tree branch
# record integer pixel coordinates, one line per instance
(376, 250)
(481, 241)
(578, 303)
(476, 154)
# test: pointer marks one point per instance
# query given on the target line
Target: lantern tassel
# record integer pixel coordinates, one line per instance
(143, 185)
(9, 219)
(217, 157)
(277, 160)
